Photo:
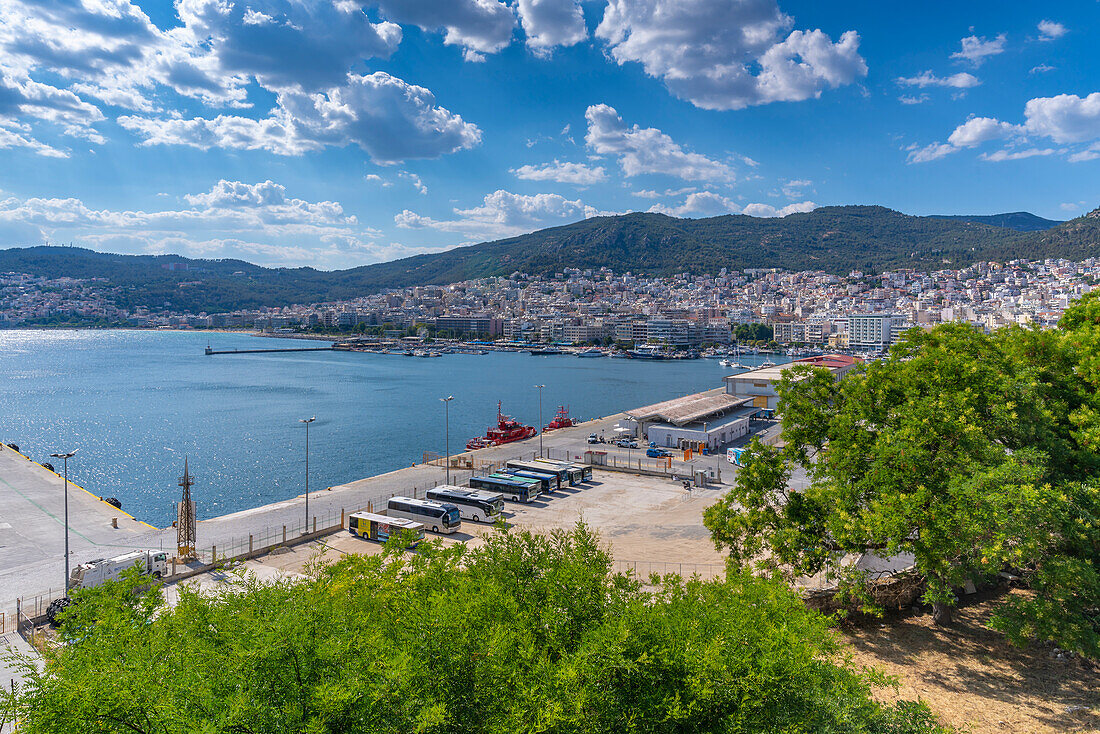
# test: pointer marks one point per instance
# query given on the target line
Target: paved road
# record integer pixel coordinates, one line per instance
(31, 549)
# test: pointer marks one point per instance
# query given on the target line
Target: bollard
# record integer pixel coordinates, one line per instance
(284, 533)
(341, 517)
(315, 523)
(213, 554)
(249, 545)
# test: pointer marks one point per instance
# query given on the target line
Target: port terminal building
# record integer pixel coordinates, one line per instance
(707, 419)
(758, 386)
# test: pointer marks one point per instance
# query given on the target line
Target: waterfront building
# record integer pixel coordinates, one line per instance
(758, 386)
(708, 419)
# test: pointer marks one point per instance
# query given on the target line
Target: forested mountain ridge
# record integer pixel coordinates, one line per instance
(833, 239)
(1019, 221)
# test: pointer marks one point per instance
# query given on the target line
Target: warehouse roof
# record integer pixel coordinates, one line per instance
(833, 362)
(689, 408)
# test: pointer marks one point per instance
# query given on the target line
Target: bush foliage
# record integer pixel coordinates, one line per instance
(524, 634)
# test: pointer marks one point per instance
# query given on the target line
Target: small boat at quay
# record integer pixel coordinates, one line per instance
(591, 353)
(561, 420)
(507, 430)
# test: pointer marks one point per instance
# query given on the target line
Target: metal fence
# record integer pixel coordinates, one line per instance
(667, 467)
(643, 569)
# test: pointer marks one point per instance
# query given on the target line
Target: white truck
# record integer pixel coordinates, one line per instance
(93, 573)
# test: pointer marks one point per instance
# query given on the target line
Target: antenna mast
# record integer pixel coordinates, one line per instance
(185, 518)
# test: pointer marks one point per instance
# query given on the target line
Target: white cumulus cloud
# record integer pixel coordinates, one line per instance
(1065, 118)
(578, 174)
(728, 54)
(710, 204)
(978, 130)
(502, 214)
(478, 26)
(962, 80)
(551, 23)
(647, 150)
(699, 204)
(257, 221)
(977, 50)
(767, 210)
(387, 117)
(1051, 31)
(1016, 155)
(286, 43)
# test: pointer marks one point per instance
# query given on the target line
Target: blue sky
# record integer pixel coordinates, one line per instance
(335, 134)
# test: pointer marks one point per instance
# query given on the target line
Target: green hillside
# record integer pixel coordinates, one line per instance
(833, 239)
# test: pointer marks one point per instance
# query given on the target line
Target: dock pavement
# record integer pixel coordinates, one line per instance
(32, 528)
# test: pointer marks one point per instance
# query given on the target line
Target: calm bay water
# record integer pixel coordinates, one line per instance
(135, 402)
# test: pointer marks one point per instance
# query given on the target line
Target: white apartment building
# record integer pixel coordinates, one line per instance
(871, 330)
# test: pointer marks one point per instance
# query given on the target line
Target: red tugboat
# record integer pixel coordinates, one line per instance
(506, 431)
(561, 420)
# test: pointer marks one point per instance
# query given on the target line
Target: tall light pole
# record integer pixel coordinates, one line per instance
(65, 458)
(307, 421)
(447, 431)
(540, 418)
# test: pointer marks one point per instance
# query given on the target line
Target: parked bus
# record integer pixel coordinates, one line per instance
(380, 527)
(551, 482)
(439, 516)
(546, 481)
(537, 485)
(471, 504)
(511, 489)
(561, 476)
(578, 473)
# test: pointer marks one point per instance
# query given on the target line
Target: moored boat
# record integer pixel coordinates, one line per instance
(561, 420)
(507, 430)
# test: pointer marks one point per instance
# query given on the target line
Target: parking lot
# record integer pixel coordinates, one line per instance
(652, 525)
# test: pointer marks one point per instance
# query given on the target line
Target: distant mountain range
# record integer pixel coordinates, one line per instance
(1019, 221)
(834, 239)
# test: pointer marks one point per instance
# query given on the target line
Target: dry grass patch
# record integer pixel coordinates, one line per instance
(975, 680)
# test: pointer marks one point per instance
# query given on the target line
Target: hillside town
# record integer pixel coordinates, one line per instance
(859, 311)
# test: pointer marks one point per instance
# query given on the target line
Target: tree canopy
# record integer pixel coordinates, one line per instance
(971, 454)
(526, 633)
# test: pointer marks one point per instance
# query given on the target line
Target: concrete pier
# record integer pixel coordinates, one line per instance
(32, 527)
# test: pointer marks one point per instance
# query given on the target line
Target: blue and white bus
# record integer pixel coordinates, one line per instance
(512, 489)
(439, 517)
(560, 476)
(471, 503)
(578, 473)
(545, 481)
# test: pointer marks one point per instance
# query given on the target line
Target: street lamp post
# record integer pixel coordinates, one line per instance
(447, 431)
(307, 421)
(540, 417)
(65, 458)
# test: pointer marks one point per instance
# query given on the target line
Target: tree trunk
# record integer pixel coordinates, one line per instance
(942, 614)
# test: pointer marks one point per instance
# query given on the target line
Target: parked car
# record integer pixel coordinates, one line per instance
(626, 443)
(656, 453)
(593, 438)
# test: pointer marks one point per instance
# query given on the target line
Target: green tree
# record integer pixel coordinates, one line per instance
(526, 633)
(960, 452)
